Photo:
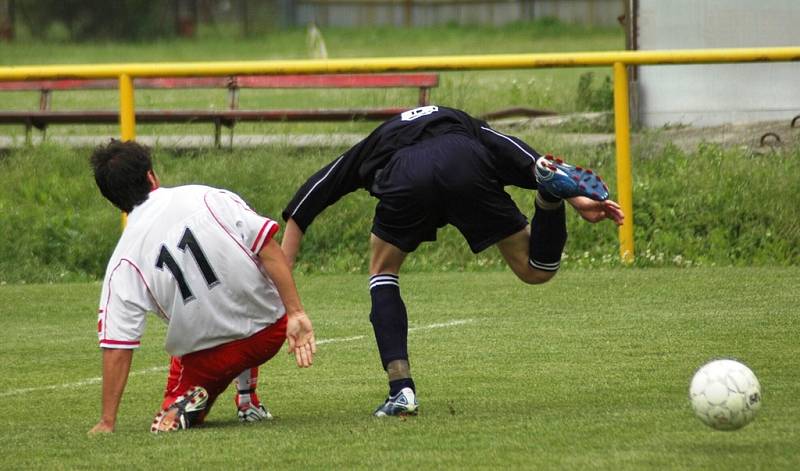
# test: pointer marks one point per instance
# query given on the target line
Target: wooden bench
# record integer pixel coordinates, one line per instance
(45, 116)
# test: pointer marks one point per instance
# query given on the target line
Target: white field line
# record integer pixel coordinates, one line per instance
(340, 339)
(155, 369)
(78, 384)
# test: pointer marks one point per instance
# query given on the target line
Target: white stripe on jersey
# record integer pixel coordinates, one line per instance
(509, 140)
(317, 183)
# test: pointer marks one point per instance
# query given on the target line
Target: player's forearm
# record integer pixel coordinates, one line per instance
(116, 367)
(292, 237)
(277, 267)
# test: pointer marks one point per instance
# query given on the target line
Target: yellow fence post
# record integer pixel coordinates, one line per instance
(622, 126)
(127, 112)
(127, 117)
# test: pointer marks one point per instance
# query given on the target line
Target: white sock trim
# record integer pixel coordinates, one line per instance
(547, 205)
(554, 266)
(381, 280)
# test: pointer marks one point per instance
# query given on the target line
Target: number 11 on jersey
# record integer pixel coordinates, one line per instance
(165, 258)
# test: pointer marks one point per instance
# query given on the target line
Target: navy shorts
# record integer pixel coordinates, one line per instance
(447, 179)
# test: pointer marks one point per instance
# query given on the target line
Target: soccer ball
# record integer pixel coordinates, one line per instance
(725, 394)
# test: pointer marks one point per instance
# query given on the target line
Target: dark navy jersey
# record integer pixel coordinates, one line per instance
(510, 159)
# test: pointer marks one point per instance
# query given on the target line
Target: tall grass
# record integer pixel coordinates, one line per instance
(714, 206)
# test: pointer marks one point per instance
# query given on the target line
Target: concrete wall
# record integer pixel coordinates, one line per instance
(703, 95)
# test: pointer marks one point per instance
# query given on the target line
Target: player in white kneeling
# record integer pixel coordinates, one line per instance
(205, 263)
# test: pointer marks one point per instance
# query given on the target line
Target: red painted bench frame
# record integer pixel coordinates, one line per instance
(44, 116)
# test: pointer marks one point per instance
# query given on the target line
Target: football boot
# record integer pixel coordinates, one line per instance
(253, 413)
(251, 409)
(186, 411)
(401, 404)
(562, 180)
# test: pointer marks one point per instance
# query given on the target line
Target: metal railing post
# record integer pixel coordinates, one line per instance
(127, 112)
(127, 118)
(622, 127)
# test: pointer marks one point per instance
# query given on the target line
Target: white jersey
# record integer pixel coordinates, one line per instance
(189, 254)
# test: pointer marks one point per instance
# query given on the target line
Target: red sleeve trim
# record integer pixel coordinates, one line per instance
(268, 230)
(120, 343)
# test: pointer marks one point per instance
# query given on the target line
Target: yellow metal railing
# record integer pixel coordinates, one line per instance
(622, 128)
(619, 60)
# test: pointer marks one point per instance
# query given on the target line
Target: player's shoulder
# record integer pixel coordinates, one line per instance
(202, 192)
(193, 189)
(433, 119)
(220, 200)
(424, 114)
(123, 262)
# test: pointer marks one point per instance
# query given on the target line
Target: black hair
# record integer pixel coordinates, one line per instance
(120, 170)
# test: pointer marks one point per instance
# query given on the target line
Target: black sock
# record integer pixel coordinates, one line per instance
(398, 384)
(389, 318)
(547, 196)
(548, 237)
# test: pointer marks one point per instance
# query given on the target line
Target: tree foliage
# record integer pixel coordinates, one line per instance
(86, 20)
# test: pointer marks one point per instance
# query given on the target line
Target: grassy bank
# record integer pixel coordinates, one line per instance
(711, 207)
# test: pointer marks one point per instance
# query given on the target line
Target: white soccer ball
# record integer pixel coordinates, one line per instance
(725, 394)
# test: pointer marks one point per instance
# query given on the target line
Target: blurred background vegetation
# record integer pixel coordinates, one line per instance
(712, 207)
(144, 20)
(703, 204)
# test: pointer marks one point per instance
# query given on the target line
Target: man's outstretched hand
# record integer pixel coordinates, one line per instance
(300, 335)
(101, 428)
(596, 211)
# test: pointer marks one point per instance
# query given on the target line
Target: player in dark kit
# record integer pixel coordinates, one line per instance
(433, 166)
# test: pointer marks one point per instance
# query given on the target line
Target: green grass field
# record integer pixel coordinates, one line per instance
(587, 372)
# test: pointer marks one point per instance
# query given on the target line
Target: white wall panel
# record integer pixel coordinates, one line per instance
(704, 95)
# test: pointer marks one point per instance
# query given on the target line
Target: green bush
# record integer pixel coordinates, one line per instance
(715, 206)
(590, 98)
(727, 206)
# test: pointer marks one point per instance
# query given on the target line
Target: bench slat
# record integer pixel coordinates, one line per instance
(243, 81)
(110, 84)
(228, 117)
(39, 118)
(182, 82)
(338, 81)
(68, 84)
